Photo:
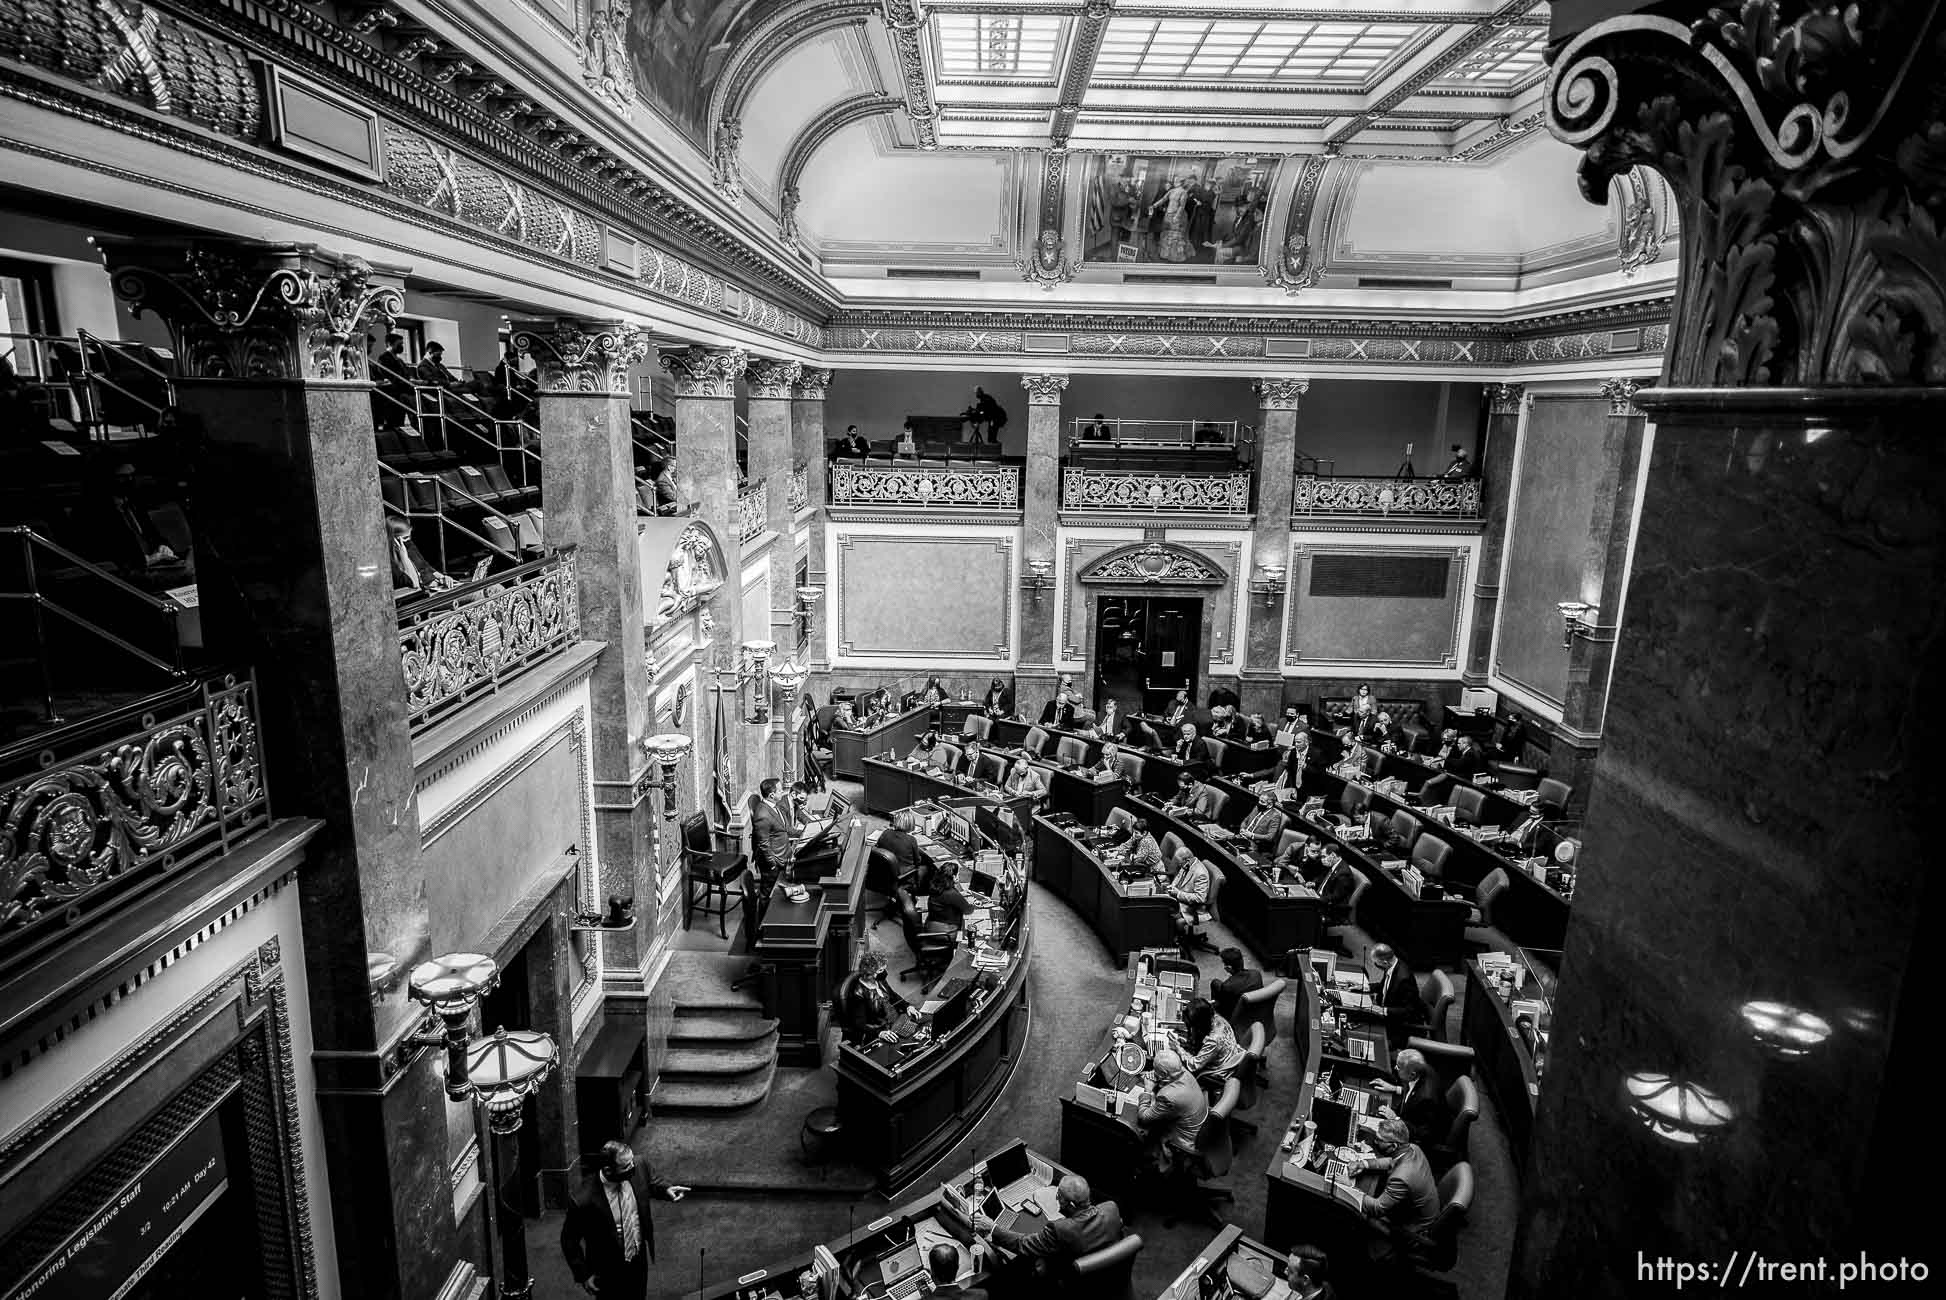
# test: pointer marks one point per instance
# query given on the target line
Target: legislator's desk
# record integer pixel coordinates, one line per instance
(1273, 917)
(924, 1219)
(1490, 1026)
(891, 784)
(1214, 1261)
(1426, 929)
(1125, 914)
(898, 734)
(804, 949)
(903, 1108)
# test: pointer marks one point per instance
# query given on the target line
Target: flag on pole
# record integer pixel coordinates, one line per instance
(720, 757)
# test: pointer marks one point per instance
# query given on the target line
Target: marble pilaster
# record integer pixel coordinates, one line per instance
(1607, 558)
(808, 441)
(588, 494)
(706, 477)
(769, 384)
(1506, 405)
(1278, 402)
(296, 584)
(1040, 493)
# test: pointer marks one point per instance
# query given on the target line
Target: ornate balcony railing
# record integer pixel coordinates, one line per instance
(1138, 492)
(982, 487)
(1448, 498)
(753, 510)
(475, 639)
(101, 813)
(800, 489)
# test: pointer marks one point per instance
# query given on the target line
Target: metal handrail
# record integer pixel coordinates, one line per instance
(80, 339)
(467, 404)
(41, 604)
(1137, 432)
(446, 522)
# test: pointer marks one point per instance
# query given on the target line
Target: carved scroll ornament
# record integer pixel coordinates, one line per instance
(768, 377)
(577, 356)
(1804, 147)
(704, 372)
(1044, 390)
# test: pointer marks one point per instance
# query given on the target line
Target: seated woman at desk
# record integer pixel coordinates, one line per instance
(1023, 781)
(999, 700)
(938, 883)
(867, 1005)
(928, 753)
(1209, 1046)
(878, 704)
(846, 718)
(1265, 823)
(934, 691)
(1144, 854)
(1224, 724)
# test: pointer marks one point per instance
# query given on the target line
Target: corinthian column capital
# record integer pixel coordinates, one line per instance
(1044, 390)
(768, 377)
(581, 357)
(1281, 393)
(812, 383)
(704, 372)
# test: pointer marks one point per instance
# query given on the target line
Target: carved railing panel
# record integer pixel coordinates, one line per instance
(97, 814)
(475, 639)
(1443, 497)
(1127, 491)
(990, 487)
(800, 489)
(753, 510)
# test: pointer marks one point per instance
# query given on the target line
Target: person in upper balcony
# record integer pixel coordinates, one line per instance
(1461, 466)
(852, 446)
(392, 402)
(1098, 429)
(431, 370)
(988, 412)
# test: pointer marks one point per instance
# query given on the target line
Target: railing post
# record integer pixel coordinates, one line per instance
(40, 627)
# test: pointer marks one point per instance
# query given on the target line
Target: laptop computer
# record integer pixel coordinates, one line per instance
(1334, 1122)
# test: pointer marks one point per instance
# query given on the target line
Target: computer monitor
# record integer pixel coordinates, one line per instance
(953, 1013)
(1334, 1122)
(1325, 966)
(824, 1271)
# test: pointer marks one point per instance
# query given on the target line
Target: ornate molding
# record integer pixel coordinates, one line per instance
(472, 641)
(957, 488)
(906, 26)
(1154, 563)
(1048, 265)
(1621, 396)
(1386, 497)
(1121, 491)
(1280, 394)
(242, 310)
(606, 66)
(704, 372)
(1044, 390)
(1291, 266)
(579, 357)
(800, 489)
(1083, 49)
(1510, 14)
(1639, 232)
(813, 382)
(771, 379)
(1803, 150)
(853, 108)
(774, 37)
(1506, 399)
(753, 511)
(726, 160)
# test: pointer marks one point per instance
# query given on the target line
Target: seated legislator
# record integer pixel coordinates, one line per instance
(1419, 1098)
(846, 717)
(1238, 979)
(934, 691)
(1174, 1112)
(1208, 1044)
(867, 1006)
(1256, 731)
(1307, 1273)
(1060, 711)
(1224, 723)
(1192, 751)
(1265, 823)
(929, 753)
(901, 845)
(1193, 800)
(1144, 854)
(1109, 767)
(1082, 1229)
(938, 883)
(1178, 709)
(1408, 1200)
(1190, 888)
(1024, 781)
(878, 704)
(969, 763)
(1467, 760)
(998, 702)
(942, 1266)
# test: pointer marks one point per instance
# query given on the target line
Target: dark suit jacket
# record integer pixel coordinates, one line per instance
(1466, 763)
(770, 836)
(1426, 1113)
(866, 1008)
(1063, 1241)
(590, 1238)
(1225, 992)
(1194, 754)
(903, 848)
(1402, 1002)
(1001, 708)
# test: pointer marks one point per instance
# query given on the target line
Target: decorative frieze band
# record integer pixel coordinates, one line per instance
(243, 310)
(704, 372)
(580, 357)
(771, 379)
(1044, 390)
(1281, 394)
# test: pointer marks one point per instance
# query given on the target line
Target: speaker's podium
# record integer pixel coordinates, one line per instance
(608, 1084)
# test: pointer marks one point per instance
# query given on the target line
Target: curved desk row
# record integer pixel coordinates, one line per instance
(1272, 918)
(1159, 770)
(891, 785)
(898, 733)
(1496, 809)
(1125, 915)
(1505, 1064)
(901, 1115)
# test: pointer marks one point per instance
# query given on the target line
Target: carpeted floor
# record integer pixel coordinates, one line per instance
(757, 1201)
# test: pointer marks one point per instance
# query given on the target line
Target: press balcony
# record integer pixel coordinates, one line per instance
(919, 486)
(1378, 498)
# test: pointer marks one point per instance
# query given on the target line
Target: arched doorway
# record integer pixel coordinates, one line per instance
(1149, 624)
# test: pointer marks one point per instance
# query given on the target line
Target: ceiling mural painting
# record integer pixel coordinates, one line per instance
(1173, 209)
(680, 49)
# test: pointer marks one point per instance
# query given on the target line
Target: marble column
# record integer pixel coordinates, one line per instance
(1275, 468)
(588, 494)
(1506, 405)
(1742, 1052)
(706, 477)
(807, 438)
(296, 584)
(769, 383)
(1040, 500)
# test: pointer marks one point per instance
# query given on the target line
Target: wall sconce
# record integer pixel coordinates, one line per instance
(1574, 623)
(667, 749)
(752, 669)
(449, 988)
(1270, 582)
(808, 597)
(1040, 577)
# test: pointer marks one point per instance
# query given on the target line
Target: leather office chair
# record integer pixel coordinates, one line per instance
(1215, 1153)
(1429, 854)
(1436, 991)
(1132, 765)
(1120, 817)
(1219, 753)
(1071, 751)
(977, 724)
(1287, 841)
(1170, 842)
(1434, 791)
(1404, 828)
(1513, 776)
(1463, 1096)
(1197, 939)
(709, 873)
(1468, 804)
(531, 529)
(1417, 736)
(499, 536)
(1353, 801)
(1035, 741)
(882, 885)
(954, 756)
(1482, 929)
(1107, 1274)
(1250, 1076)
(1451, 1060)
(1258, 1008)
(932, 944)
(993, 768)
(1552, 798)
(1437, 1249)
(1218, 805)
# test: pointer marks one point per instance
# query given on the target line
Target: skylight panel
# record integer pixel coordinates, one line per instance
(1247, 50)
(1509, 58)
(996, 45)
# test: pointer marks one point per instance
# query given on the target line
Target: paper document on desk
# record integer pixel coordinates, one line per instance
(1050, 1204)
(1132, 1100)
(1349, 1194)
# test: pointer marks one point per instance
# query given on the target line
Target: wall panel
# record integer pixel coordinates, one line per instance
(909, 594)
(1367, 633)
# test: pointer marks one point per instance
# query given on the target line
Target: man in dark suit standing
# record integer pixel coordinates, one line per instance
(770, 831)
(1082, 1229)
(1237, 980)
(608, 1235)
(1396, 993)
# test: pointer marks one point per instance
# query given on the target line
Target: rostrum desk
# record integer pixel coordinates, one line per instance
(804, 949)
(897, 733)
